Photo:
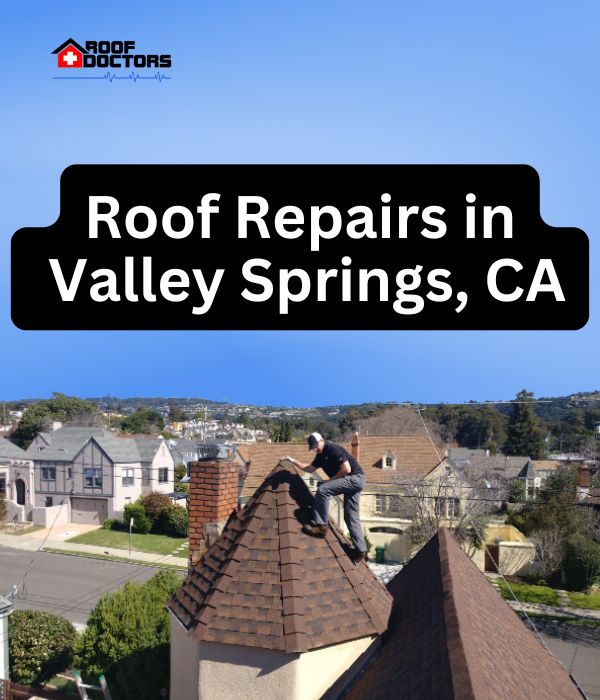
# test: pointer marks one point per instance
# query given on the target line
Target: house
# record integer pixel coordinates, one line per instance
(70, 54)
(268, 612)
(393, 465)
(94, 473)
(16, 480)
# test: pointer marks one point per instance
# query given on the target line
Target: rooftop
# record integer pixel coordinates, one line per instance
(451, 637)
(266, 584)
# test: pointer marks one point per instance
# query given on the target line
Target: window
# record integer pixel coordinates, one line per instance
(394, 504)
(389, 461)
(2, 485)
(69, 472)
(92, 478)
(146, 476)
(453, 507)
(387, 504)
(163, 475)
(447, 507)
(48, 502)
(128, 476)
(49, 473)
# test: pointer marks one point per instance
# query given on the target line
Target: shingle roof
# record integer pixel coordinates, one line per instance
(528, 472)
(8, 450)
(64, 443)
(147, 447)
(415, 457)
(119, 449)
(452, 637)
(266, 584)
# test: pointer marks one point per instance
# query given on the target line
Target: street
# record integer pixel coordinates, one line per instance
(64, 585)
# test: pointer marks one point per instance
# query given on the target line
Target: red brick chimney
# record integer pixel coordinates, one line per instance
(213, 496)
(355, 444)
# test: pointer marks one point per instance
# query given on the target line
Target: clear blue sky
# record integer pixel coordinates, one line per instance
(324, 82)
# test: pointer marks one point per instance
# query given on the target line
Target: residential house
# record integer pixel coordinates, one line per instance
(395, 466)
(268, 612)
(96, 474)
(16, 480)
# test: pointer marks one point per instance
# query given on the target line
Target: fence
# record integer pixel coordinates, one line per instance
(10, 690)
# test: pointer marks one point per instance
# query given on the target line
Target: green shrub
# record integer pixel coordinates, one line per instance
(40, 645)
(174, 521)
(112, 524)
(180, 471)
(581, 562)
(155, 504)
(2, 509)
(127, 639)
(141, 522)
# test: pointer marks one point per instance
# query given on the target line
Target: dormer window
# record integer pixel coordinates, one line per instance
(388, 460)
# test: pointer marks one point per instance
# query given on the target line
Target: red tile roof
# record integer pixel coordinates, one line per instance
(266, 584)
(415, 457)
(452, 637)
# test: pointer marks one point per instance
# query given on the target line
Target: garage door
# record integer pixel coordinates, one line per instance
(89, 511)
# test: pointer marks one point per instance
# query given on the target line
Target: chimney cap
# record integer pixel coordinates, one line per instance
(213, 451)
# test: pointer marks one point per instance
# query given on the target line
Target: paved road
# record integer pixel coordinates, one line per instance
(64, 585)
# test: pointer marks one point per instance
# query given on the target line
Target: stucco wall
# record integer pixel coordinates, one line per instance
(124, 494)
(209, 671)
(52, 516)
(319, 669)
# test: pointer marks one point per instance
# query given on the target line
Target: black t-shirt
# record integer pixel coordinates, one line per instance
(332, 457)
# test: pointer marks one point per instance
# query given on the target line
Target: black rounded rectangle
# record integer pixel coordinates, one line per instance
(365, 247)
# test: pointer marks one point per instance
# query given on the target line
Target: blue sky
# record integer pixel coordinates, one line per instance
(333, 82)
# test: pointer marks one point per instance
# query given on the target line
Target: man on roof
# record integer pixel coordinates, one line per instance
(345, 478)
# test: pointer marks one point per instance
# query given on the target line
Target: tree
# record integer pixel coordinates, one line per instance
(155, 504)
(2, 509)
(127, 639)
(581, 562)
(144, 420)
(281, 432)
(523, 434)
(176, 414)
(40, 645)
(69, 410)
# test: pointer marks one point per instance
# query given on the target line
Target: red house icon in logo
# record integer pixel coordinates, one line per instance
(70, 54)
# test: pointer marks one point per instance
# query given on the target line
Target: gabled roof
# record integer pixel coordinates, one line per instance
(266, 584)
(452, 637)
(71, 42)
(64, 443)
(415, 458)
(8, 450)
(147, 447)
(528, 472)
(119, 450)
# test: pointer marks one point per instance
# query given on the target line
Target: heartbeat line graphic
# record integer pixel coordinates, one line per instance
(133, 76)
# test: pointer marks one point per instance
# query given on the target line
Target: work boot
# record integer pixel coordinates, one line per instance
(314, 530)
(356, 555)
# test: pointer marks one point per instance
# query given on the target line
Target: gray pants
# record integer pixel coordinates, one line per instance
(350, 487)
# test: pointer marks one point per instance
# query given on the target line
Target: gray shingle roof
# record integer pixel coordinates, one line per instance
(119, 449)
(8, 450)
(147, 447)
(64, 443)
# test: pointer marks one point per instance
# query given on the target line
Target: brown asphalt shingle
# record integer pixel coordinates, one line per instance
(452, 637)
(415, 457)
(266, 584)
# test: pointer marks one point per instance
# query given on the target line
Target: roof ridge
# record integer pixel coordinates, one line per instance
(462, 682)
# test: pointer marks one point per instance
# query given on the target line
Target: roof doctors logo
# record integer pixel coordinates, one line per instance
(110, 56)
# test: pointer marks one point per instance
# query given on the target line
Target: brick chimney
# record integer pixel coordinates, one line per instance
(355, 444)
(583, 481)
(213, 496)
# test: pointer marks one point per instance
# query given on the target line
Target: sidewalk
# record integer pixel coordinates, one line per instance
(55, 539)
